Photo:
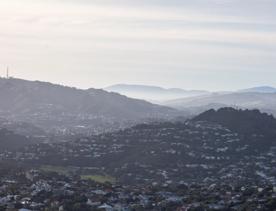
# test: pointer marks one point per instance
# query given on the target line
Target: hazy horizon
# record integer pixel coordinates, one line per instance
(4, 76)
(205, 44)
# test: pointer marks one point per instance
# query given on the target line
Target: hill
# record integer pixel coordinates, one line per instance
(65, 109)
(245, 122)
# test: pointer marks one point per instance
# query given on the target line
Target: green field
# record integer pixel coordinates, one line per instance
(68, 170)
(57, 169)
(99, 178)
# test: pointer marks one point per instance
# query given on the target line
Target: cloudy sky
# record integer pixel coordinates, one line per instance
(199, 44)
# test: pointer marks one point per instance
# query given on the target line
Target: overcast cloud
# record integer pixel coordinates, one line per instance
(199, 44)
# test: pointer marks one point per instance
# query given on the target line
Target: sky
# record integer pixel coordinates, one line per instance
(200, 44)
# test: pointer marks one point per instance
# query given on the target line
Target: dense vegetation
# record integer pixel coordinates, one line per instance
(246, 122)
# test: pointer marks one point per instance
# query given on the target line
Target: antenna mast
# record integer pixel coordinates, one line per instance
(8, 72)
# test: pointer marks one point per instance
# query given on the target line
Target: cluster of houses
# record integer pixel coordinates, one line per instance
(161, 153)
(37, 190)
(162, 166)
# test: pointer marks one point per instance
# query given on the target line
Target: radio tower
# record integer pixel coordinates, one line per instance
(8, 72)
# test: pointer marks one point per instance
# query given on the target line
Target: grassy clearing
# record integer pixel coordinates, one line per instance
(99, 178)
(68, 170)
(57, 169)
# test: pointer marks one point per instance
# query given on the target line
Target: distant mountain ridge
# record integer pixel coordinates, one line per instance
(65, 108)
(260, 89)
(266, 102)
(153, 93)
(160, 95)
